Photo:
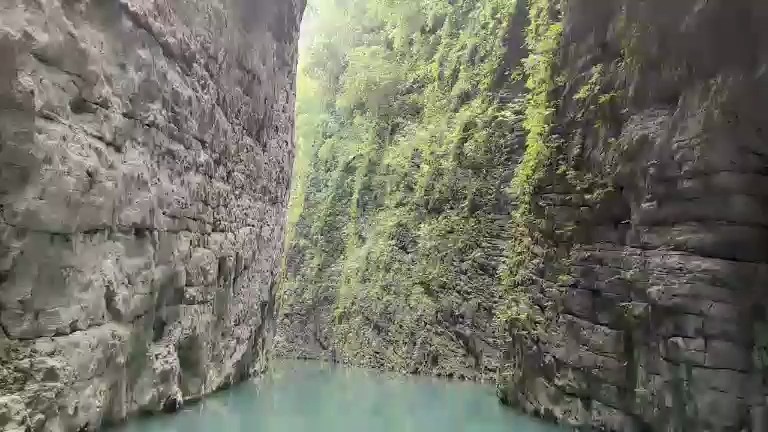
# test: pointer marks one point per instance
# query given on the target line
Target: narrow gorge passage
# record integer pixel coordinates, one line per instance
(318, 397)
(477, 212)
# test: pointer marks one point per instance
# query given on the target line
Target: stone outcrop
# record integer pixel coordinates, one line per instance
(652, 261)
(145, 156)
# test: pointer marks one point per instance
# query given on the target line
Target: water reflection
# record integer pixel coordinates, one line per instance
(308, 396)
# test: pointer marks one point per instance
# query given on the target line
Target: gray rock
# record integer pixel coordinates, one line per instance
(679, 142)
(13, 414)
(145, 156)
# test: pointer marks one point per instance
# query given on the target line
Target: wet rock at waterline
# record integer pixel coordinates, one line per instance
(145, 157)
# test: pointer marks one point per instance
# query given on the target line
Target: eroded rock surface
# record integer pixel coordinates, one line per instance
(657, 190)
(145, 156)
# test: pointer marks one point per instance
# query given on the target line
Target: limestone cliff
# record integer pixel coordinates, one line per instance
(644, 205)
(145, 156)
(409, 130)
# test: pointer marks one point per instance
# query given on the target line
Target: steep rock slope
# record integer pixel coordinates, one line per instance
(145, 155)
(407, 137)
(640, 279)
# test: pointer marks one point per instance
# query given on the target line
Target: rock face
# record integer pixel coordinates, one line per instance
(145, 156)
(396, 258)
(652, 260)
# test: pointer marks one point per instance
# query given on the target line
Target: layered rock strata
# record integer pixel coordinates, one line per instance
(145, 157)
(652, 221)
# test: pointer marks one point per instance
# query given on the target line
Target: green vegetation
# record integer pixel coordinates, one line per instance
(455, 193)
(542, 38)
(424, 138)
(408, 132)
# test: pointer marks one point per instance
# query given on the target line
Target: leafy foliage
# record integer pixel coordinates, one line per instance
(399, 209)
(542, 38)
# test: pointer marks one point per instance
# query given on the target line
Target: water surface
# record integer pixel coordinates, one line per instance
(312, 396)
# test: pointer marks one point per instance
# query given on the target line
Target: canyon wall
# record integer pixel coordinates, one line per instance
(409, 130)
(145, 158)
(586, 208)
(647, 254)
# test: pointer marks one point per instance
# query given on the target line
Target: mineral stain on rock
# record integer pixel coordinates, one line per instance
(145, 158)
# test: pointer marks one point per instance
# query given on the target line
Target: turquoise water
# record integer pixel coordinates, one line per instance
(312, 396)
